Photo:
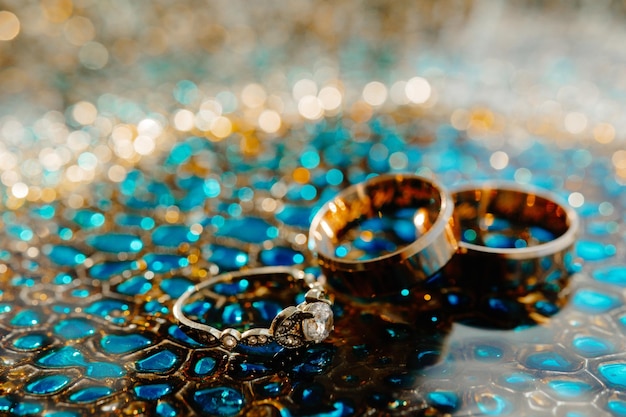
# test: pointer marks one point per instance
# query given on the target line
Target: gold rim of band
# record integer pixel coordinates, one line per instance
(561, 243)
(400, 269)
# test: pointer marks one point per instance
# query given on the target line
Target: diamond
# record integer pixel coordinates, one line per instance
(318, 327)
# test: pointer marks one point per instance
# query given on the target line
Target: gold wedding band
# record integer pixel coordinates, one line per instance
(342, 221)
(518, 237)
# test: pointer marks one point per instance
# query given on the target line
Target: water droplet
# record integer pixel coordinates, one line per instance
(155, 307)
(161, 361)
(124, 343)
(204, 366)
(165, 262)
(106, 270)
(614, 274)
(134, 220)
(296, 216)
(281, 256)
(267, 310)
(228, 259)
(74, 328)
(152, 391)
(197, 308)
(591, 347)
(164, 409)
(444, 401)
(45, 212)
(181, 336)
(26, 318)
(109, 309)
(232, 314)
(602, 228)
(243, 369)
(90, 394)
(594, 251)
(219, 401)
(48, 384)
(64, 255)
(494, 240)
(20, 232)
(138, 285)
(173, 235)
(494, 405)
(63, 279)
(5, 404)
(179, 154)
(617, 407)
(614, 374)
(31, 341)
(488, 353)
(315, 361)
(88, 219)
(26, 408)
(551, 361)
(232, 288)
(309, 395)
(62, 357)
(269, 389)
(115, 243)
(249, 229)
(102, 370)
(568, 389)
(594, 302)
(518, 381)
(176, 286)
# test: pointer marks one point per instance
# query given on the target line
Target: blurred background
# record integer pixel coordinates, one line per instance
(91, 89)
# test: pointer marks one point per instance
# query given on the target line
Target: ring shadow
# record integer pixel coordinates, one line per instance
(384, 349)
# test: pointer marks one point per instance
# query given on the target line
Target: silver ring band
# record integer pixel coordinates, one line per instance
(309, 322)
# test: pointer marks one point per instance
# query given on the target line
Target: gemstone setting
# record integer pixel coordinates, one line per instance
(318, 327)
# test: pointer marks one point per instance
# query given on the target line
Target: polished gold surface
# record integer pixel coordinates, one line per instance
(393, 271)
(517, 239)
(478, 205)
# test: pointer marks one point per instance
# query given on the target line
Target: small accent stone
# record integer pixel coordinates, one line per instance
(287, 323)
(252, 340)
(318, 327)
(229, 341)
(262, 339)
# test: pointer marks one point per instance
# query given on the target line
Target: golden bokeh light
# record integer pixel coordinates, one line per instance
(269, 121)
(301, 175)
(604, 133)
(221, 127)
(9, 25)
(375, 93)
(57, 11)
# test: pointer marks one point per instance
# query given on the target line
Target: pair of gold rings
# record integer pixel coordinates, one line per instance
(500, 230)
(392, 232)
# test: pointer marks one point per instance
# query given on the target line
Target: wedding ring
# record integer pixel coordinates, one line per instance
(513, 237)
(309, 322)
(385, 235)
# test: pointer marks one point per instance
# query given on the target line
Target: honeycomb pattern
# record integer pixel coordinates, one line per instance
(86, 298)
